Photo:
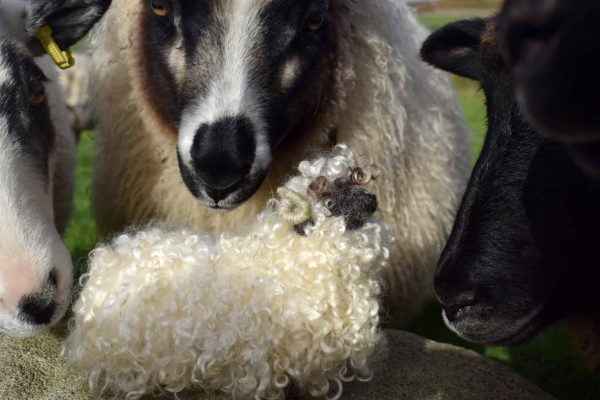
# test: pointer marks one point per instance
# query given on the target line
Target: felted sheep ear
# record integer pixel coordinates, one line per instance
(70, 20)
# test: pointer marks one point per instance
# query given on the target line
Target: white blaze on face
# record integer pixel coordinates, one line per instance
(30, 246)
(231, 93)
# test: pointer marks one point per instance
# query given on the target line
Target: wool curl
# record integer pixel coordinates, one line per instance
(169, 309)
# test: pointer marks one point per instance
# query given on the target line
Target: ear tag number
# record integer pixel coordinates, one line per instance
(64, 59)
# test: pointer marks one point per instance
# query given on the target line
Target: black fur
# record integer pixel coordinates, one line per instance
(28, 126)
(355, 203)
(522, 250)
(344, 199)
(70, 20)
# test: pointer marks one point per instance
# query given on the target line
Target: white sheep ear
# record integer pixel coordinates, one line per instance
(70, 20)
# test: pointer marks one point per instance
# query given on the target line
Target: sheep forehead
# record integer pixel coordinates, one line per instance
(231, 7)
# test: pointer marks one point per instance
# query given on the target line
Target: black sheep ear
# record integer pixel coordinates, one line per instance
(456, 48)
(70, 20)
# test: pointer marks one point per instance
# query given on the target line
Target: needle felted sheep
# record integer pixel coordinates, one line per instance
(292, 300)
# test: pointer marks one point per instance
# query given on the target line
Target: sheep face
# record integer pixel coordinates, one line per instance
(522, 250)
(35, 269)
(552, 48)
(35, 266)
(231, 79)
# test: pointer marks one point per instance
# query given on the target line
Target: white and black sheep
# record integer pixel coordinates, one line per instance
(37, 164)
(293, 300)
(205, 106)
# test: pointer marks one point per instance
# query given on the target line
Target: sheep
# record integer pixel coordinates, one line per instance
(204, 107)
(285, 302)
(37, 165)
(552, 51)
(75, 83)
(522, 253)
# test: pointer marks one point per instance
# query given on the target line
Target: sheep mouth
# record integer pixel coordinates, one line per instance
(227, 200)
(480, 323)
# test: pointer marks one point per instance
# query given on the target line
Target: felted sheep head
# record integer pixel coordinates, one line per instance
(344, 197)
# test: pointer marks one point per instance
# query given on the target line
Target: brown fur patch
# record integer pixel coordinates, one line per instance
(156, 106)
(490, 47)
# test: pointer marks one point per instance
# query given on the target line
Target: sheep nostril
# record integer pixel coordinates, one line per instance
(463, 300)
(37, 309)
(53, 278)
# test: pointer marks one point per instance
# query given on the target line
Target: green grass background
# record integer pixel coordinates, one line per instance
(549, 360)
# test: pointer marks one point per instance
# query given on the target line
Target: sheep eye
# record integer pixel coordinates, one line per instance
(160, 8)
(329, 203)
(38, 96)
(314, 22)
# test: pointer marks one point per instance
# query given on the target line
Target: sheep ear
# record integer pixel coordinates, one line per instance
(456, 48)
(70, 20)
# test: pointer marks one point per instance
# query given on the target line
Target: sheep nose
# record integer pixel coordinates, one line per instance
(222, 154)
(453, 304)
(455, 291)
(39, 308)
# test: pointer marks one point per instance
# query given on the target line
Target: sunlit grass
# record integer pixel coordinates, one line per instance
(81, 235)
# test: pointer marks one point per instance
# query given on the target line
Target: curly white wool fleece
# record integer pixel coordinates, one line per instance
(170, 309)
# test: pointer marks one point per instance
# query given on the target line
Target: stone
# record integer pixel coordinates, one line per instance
(407, 367)
(413, 368)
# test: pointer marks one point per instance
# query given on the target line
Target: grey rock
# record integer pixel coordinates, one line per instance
(413, 368)
(407, 367)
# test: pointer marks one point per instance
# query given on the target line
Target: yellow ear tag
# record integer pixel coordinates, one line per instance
(64, 59)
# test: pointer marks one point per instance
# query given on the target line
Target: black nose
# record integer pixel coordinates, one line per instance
(455, 292)
(39, 308)
(223, 154)
(452, 305)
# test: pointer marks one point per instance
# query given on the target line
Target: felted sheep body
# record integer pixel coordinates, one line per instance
(247, 314)
(381, 99)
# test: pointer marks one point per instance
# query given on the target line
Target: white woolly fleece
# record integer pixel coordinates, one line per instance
(170, 309)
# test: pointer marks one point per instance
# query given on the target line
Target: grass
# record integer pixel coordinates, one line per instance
(81, 235)
(549, 360)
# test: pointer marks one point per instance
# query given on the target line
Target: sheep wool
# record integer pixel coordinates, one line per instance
(249, 314)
